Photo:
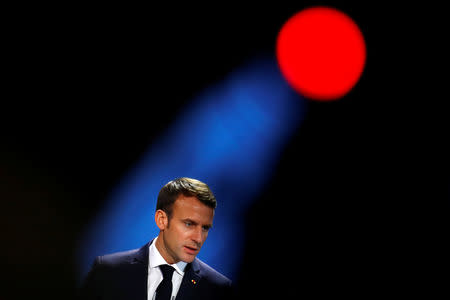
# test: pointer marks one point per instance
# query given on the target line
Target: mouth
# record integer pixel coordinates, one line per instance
(191, 250)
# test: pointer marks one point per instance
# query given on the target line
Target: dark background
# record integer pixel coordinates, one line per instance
(87, 89)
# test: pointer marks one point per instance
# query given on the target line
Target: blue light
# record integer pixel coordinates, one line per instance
(230, 137)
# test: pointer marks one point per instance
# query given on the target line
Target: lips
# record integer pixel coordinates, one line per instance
(190, 250)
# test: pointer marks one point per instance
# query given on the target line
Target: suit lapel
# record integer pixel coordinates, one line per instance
(136, 274)
(190, 281)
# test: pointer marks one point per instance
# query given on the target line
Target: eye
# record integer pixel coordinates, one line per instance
(206, 228)
(188, 224)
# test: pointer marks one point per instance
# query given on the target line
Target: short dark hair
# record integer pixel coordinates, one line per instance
(188, 187)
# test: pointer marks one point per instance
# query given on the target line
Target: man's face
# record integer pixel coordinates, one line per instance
(183, 235)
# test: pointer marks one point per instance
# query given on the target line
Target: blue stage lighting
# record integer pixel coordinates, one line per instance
(231, 137)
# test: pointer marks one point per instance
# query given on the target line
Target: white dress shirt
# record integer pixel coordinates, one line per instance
(155, 275)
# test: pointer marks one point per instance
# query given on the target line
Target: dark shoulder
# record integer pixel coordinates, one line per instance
(212, 275)
(111, 274)
(118, 258)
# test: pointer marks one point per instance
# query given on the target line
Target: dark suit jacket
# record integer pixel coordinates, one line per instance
(123, 275)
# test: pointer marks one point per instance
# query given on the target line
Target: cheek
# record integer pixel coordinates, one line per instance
(182, 232)
(177, 234)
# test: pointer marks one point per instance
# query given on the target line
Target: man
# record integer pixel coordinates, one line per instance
(166, 267)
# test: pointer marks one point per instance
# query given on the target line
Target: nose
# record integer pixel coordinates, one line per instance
(197, 236)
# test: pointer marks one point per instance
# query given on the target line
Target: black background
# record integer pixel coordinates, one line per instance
(87, 89)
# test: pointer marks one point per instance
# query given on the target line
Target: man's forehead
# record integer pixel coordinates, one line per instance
(192, 208)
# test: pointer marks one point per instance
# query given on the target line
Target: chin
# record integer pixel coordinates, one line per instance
(188, 259)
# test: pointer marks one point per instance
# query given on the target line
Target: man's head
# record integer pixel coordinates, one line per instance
(184, 215)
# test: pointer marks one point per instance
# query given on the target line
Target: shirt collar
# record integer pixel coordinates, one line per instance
(156, 259)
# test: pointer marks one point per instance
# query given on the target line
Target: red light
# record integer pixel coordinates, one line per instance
(321, 53)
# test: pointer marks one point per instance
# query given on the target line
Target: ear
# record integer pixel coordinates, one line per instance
(161, 219)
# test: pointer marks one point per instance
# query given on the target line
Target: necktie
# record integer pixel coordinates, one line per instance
(164, 290)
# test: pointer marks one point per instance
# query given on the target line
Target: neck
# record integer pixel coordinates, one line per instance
(159, 244)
